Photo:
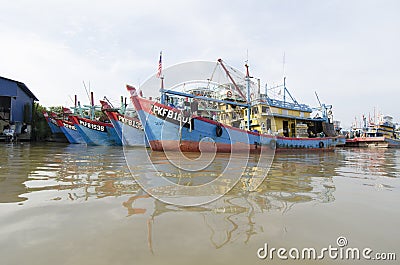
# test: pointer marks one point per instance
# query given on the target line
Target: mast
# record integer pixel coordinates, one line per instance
(247, 78)
(266, 90)
(248, 96)
(284, 89)
(162, 90)
(92, 109)
(160, 75)
(80, 111)
(230, 78)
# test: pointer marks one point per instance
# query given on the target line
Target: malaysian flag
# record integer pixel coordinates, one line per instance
(159, 66)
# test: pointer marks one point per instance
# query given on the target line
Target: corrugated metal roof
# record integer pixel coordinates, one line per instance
(23, 87)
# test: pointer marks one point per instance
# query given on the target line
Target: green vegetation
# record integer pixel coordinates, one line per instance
(56, 109)
(40, 128)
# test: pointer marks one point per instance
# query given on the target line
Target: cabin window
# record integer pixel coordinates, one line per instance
(265, 109)
(301, 114)
(268, 124)
(255, 110)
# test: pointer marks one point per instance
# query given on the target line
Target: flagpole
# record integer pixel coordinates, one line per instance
(162, 90)
(247, 78)
(160, 75)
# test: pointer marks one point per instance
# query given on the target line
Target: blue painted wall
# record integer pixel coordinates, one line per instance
(20, 95)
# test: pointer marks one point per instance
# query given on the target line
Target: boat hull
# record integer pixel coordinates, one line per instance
(54, 127)
(129, 130)
(70, 132)
(95, 132)
(323, 143)
(393, 143)
(373, 142)
(168, 129)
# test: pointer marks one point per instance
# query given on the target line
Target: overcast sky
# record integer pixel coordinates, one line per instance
(347, 51)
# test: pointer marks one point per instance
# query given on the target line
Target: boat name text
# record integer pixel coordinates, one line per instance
(69, 126)
(171, 116)
(92, 126)
(132, 123)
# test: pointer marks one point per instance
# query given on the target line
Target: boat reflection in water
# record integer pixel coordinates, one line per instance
(55, 194)
(292, 179)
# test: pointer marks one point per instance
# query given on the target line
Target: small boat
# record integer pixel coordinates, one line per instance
(381, 134)
(128, 127)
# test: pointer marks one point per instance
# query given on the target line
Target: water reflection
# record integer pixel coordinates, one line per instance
(362, 162)
(293, 179)
(71, 173)
(82, 171)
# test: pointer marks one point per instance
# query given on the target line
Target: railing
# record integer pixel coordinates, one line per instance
(288, 105)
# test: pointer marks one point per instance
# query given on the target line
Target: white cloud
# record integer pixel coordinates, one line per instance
(347, 52)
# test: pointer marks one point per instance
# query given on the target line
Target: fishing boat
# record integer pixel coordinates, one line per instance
(241, 124)
(70, 131)
(57, 133)
(95, 132)
(68, 128)
(169, 129)
(126, 124)
(290, 121)
(52, 122)
(381, 134)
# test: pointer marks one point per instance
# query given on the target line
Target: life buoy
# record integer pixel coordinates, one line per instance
(229, 94)
(272, 144)
(321, 144)
(218, 130)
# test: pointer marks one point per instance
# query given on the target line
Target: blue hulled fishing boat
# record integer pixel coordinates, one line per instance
(238, 121)
(70, 131)
(95, 132)
(128, 127)
(52, 122)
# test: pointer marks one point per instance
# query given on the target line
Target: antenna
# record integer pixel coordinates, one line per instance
(87, 92)
(318, 99)
(70, 98)
(283, 64)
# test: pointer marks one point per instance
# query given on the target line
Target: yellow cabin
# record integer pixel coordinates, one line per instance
(278, 117)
